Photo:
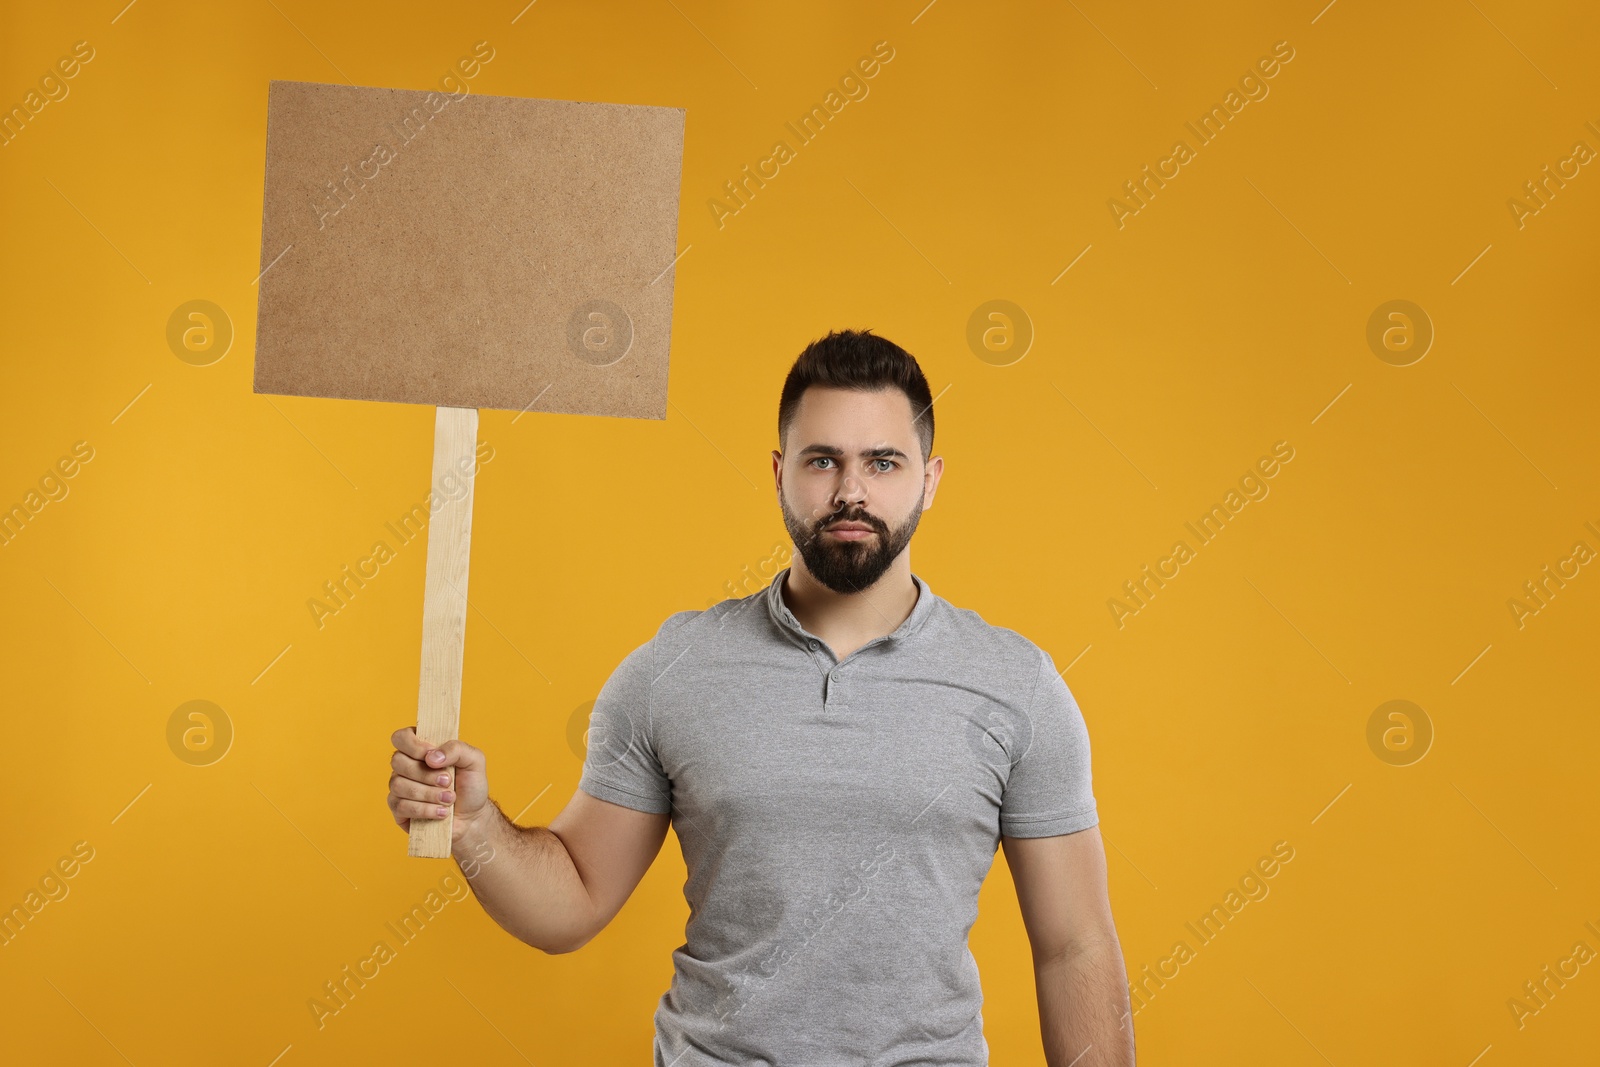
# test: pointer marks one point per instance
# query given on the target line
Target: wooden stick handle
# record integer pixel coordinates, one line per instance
(444, 601)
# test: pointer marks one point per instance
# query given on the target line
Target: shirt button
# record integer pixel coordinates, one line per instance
(813, 646)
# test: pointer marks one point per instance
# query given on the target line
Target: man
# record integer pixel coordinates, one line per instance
(840, 754)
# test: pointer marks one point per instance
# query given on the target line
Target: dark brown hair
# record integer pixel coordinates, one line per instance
(858, 359)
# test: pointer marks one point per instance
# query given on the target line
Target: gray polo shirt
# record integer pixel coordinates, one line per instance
(837, 819)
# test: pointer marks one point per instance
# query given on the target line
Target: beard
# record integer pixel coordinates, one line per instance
(849, 566)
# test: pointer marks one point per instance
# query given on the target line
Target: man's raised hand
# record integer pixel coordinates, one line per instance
(429, 779)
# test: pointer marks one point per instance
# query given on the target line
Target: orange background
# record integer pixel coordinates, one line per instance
(1230, 713)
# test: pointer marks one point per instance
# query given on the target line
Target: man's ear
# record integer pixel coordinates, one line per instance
(931, 474)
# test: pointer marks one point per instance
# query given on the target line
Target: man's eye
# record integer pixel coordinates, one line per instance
(890, 464)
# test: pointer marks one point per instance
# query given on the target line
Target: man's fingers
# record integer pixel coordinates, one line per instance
(416, 809)
(399, 820)
(456, 754)
(402, 813)
(406, 740)
(402, 764)
(403, 788)
(422, 775)
(414, 756)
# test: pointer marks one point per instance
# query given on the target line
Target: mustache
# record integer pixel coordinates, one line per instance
(860, 516)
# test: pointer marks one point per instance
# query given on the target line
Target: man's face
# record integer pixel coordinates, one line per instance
(853, 458)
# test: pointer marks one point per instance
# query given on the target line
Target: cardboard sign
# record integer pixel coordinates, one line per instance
(467, 250)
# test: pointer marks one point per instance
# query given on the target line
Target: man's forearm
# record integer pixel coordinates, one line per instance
(1083, 1008)
(526, 880)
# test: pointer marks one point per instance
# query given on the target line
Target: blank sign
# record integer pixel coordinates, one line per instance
(467, 250)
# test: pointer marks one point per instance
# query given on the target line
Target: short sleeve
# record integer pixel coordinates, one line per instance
(1050, 790)
(620, 763)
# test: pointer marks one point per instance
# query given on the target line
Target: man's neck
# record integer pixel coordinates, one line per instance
(849, 620)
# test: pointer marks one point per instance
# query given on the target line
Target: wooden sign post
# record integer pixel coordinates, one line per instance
(466, 252)
(444, 605)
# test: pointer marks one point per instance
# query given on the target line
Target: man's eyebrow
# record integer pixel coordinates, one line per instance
(883, 452)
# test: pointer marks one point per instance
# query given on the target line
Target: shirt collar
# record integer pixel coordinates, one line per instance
(785, 619)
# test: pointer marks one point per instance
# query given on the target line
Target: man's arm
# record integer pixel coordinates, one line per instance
(556, 887)
(553, 887)
(1084, 1018)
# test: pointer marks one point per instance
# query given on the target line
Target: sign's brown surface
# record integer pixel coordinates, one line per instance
(468, 251)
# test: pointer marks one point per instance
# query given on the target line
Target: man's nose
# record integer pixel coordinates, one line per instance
(852, 490)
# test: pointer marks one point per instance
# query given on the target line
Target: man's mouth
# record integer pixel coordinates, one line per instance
(851, 531)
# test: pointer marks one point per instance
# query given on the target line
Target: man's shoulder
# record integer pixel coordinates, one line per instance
(1006, 658)
(681, 631)
(684, 627)
(967, 629)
